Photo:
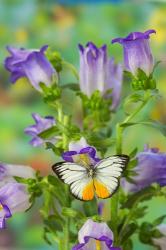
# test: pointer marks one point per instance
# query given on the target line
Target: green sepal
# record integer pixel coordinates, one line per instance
(55, 59)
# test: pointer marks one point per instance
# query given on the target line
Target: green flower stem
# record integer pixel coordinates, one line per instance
(64, 120)
(119, 145)
(72, 68)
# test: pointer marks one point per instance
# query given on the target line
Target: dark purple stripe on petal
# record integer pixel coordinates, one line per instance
(67, 156)
(107, 241)
(88, 150)
(134, 36)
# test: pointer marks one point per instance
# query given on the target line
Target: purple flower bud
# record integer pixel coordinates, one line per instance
(98, 72)
(41, 125)
(137, 52)
(8, 171)
(32, 64)
(14, 198)
(161, 242)
(81, 152)
(151, 168)
(95, 235)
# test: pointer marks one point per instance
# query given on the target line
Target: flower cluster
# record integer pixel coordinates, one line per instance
(87, 168)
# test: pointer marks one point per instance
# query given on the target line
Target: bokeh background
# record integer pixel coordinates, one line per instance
(62, 25)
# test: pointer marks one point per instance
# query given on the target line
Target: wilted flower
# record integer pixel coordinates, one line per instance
(95, 235)
(81, 152)
(41, 125)
(8, 171)
(161, 242)
(151, 168)
(98, 72)
(14, 198)
(137, 52)
(32, 64)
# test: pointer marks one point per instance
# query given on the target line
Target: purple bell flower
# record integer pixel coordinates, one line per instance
(14, 198)
(31, 64)
(41, 125)
(81, 152)
(98, 72)
(95, 235)
(161, 242)
(137, 52)
(151, 169)
(8, 171)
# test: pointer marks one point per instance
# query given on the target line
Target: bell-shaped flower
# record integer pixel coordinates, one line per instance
(81, 152)
(41, 124)
(14, 198)
(137, 52)
(151, 168)
(9, 171)
(93, 236)
(161, 242)
(30, 63)
(98, 72)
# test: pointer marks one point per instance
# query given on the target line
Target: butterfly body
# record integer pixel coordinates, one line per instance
(87, 180)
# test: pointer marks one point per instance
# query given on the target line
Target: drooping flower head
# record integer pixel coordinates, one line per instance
(41, 125)
(8, 171)
(14, 198)
(137, 52)
(151, 168)
(81, 152)
(98, 72)
(31, 64)
(95, 235)
(161, 242)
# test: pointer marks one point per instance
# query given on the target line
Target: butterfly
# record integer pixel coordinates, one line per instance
(86, 181)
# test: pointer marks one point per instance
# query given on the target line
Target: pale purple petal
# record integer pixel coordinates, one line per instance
(15, 197)
(94, 230)
(16, 170)
(151, 168)
(32, 64)
(114, 79)
(98, 72)
(79, 148)
(41, 124)
(93, 233)
(137, 52)
(78, 145)
(4, 214)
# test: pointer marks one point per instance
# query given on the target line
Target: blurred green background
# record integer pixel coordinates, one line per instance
(32, 23)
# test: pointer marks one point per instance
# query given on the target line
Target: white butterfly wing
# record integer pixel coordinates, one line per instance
(81, 185)
(107, 175)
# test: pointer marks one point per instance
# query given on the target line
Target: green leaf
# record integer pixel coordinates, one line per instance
(144, 194)
(133, 153)
(159, 220)
(49, 132)
(129, 230)
(71, 213)
(150, 123)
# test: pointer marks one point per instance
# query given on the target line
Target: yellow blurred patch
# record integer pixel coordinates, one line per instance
(101, 190)
(21, 35)
(158, 22)
(88, 192)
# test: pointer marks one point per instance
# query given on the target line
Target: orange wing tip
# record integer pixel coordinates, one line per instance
(101, 190)
(88, 192)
